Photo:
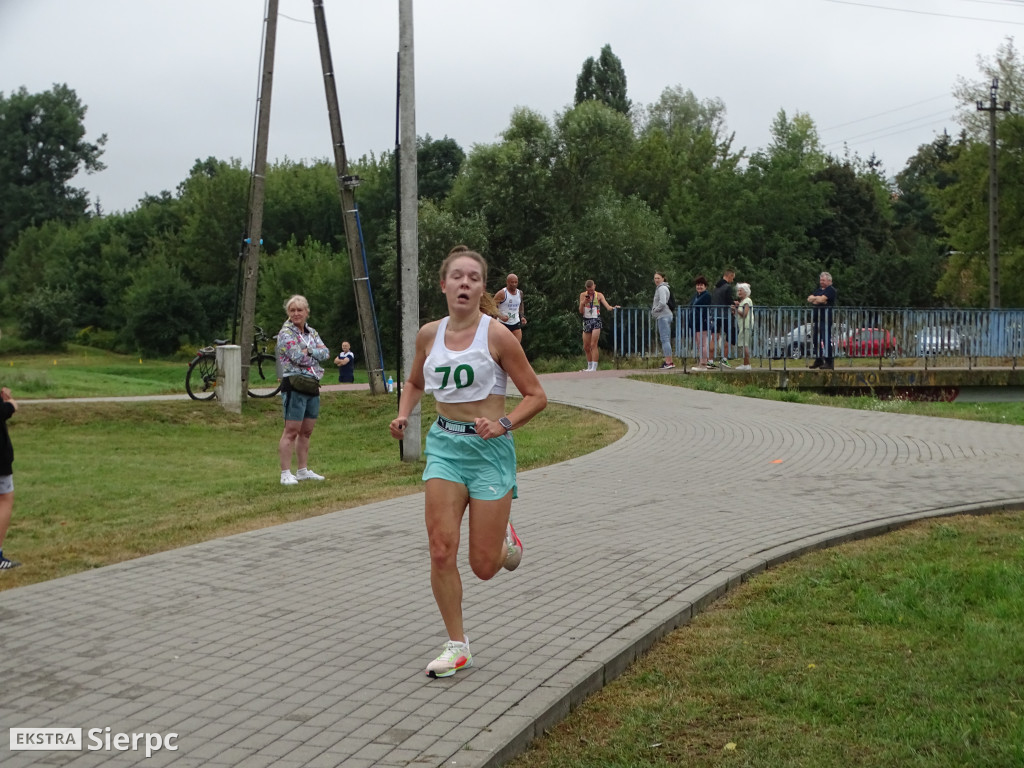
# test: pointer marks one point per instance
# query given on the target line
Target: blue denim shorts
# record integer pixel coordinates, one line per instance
(486, 467)
(6, 484)
(298, 406)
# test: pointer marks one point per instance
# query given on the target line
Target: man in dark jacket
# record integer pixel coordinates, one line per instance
(723, 327)
(823, 300)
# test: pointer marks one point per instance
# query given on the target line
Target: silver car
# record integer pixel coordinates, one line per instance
(937, 340)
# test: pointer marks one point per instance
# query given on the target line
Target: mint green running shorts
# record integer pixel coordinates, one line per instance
(486, 467)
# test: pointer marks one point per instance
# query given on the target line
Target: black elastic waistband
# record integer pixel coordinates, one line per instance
(455, 427)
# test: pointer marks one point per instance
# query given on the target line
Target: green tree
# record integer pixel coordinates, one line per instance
(677, 109)
(918, 235)
(45, 315)
(437, 166)
(1007, 67)
(603, 80)
(594, 144)
(780, 204)
(42, 147)
(963, 204)
(162, 311)
(320, 274)
(510, 185)
(684, 167)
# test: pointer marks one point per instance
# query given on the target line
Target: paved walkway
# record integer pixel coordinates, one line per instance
(304, 644)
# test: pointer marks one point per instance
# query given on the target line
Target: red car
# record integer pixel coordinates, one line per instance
(867, 342)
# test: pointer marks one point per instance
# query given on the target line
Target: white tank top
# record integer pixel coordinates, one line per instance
(591, 308)
(510, 306)
(463, 376)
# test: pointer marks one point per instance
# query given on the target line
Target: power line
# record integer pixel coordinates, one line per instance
(852, 140)
(923, 13)
(887, 112)
(292, 18)
(928, 118)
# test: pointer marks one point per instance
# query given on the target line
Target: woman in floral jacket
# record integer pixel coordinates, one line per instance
(299, 352)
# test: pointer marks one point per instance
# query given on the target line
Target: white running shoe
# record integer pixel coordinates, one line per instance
(514, 556)
(454, 657)
(743, 368)
(287, 478)
(307, 474)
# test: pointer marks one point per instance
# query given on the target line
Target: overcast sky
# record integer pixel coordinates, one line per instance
(170, 81)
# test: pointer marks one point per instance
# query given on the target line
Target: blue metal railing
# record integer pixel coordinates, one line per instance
(954, 336)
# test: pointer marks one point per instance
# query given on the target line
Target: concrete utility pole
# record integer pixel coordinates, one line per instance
(346, 185)
(254, 232)
(409, 210)
(993, 194)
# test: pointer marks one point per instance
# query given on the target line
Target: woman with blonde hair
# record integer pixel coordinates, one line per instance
(465, 360)
(299, 353)
(744, 310)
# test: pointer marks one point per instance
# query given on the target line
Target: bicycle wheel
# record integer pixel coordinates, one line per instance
(263, 381)
(201, 379)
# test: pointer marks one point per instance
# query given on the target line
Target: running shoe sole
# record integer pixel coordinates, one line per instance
(515, 549)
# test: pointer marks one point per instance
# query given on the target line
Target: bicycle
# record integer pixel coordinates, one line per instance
(201, 377)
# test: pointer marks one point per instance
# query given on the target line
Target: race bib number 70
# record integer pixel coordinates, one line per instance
(463, 375)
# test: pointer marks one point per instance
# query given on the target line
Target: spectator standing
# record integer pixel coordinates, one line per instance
(345, 361)
(299, 353)
(823, 300)
(698, 321)
(7, 409)
(591, 301)
(722, 301)
(663, 316)
(510, 307)
(744, 312)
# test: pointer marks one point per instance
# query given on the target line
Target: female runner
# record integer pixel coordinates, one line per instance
(464, 360)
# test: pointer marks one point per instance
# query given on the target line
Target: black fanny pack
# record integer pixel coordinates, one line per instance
(307, 385)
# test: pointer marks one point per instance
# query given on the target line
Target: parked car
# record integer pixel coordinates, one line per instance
(937, 340)
(867, 342)
(799, 342)
(795, 344)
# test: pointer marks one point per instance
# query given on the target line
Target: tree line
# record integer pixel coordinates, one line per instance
(605, 190)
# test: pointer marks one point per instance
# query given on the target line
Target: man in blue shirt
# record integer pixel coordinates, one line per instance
(346, 364)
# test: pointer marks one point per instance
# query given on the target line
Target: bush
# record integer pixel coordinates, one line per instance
(46, 316)
(162, 309)
(91, 336)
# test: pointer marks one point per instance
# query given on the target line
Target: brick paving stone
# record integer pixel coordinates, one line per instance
(254, 663)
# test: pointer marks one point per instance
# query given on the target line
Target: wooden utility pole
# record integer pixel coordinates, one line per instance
(408, 213)
(993, 193)
(346, 187)
(254, 231)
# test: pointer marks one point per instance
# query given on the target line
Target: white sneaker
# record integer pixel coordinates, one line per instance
(307, 474)
(743, 368)
(454, 657)
(287, 478)
(699, 368)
